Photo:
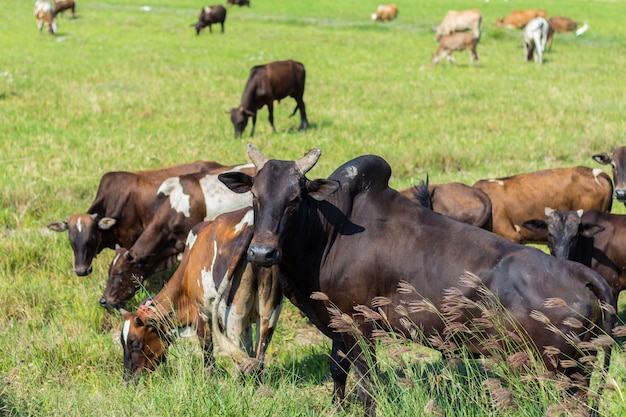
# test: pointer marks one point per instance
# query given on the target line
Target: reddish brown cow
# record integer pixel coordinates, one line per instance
(385, 12)
(559, 24)
(63, 5)
(458, 201)
(517, 19)
(267, 83)
(122, 208)
(617, 160)
(183, 202)
(214, 290)
(523, 197)
(457, 41)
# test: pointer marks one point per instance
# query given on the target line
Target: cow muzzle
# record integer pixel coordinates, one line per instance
(263, 255)
(620, 195)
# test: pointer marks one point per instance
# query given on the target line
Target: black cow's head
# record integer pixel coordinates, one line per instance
(239, 116)
(85, 234)
(125, 277)
(617, 160)
(278, 189)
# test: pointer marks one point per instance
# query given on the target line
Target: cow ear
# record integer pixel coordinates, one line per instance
(58, 226)
(535, 225)
(321, 189)
(138, 321)
(237, 181)
(590, 230)
(106, 223)
(602, 158)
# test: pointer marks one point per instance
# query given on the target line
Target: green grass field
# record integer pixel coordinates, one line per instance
(121, 88)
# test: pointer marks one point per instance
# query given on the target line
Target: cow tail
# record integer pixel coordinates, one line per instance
(295, 110)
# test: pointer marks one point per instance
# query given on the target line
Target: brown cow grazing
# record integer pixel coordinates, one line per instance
(214, 290)
(267, 83)
(63, 5)
(356, 240)
(559, 24)
(617, 160)
(523, 197)
(44, 13)
(519, 18)
(210, 15)
(593, 238)
(123, 206)
(459, 21)
(385, 12)
(457, 41)
(239, 3)
(182, 202)
(535, 38)
(458, 201)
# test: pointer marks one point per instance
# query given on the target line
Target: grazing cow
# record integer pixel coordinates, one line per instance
(122, 208)
(210, 15)
(617, 160)
(523, 197)
(356, 240)
(459, 21)
(214, 290)
(182, 202)
(593, 238)
(535, 38)
(239, 3)
(458, 201)
(63, 5)
(457, 41)
(267, 83)
(385, 12)
(517, 19)
(44, 13)
(559, 24)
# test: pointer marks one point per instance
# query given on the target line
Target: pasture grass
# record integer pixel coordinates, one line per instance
(122, 89)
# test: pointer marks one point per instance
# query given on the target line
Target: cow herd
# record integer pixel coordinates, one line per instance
(241, 238)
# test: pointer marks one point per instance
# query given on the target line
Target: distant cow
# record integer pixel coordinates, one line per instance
(593, 238)
(385, 12)
(457, 41)
(123, 206)
(559, 24)
(535, 38)
(617, 160)
(182, 202)
(458, 201)
(44, 13)
(523, 197)
(210, 15)
(459, 21)
(216, 291)
(519, 18)
(63, 5)
(355, 257)
(267, 83)
(239, 3)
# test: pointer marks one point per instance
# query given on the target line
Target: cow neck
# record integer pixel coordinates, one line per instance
(248, 98)
(171, 307)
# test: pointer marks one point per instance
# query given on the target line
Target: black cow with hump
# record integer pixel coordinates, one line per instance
(355, 239)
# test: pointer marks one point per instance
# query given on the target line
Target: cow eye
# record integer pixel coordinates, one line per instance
(135, 345)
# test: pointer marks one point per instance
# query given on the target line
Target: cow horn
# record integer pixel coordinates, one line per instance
(308, 161)
(122, 311)
(256, 156)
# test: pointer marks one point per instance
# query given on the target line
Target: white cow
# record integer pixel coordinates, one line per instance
(44, 13)
(456, 21)
(535, 38)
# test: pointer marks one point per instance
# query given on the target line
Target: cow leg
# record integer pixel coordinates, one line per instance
(270, 297)
(222, 23)
(253, 124)
(210, 30)
(40, 26)
(339, 367)
(365, 365)
(270, 110)
(206, 342)
(304, 123)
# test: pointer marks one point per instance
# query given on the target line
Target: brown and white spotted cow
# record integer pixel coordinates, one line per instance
(523, 197)
(122, 208)
(182, 202)
(217, 291)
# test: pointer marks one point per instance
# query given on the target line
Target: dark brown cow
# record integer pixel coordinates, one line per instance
(239, 3)
(214, 290)
(593, 238)
(266, 84)
(183, 201)
(122, 208)
(617, 160)
(356, 240)
(210, 15)
(518, 19)
(63, 5)
(458, 201)
(523, 197)
(559, 24)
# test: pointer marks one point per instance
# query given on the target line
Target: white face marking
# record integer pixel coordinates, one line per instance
(126, 330)
(117, 257)
(247, 220)
(351, 171)
(79, 225)
(208, 282)
(191, 239)
(220, 199)
(179, 201)
(497, 181)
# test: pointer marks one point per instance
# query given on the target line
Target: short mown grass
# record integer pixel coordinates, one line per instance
(121, 88)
